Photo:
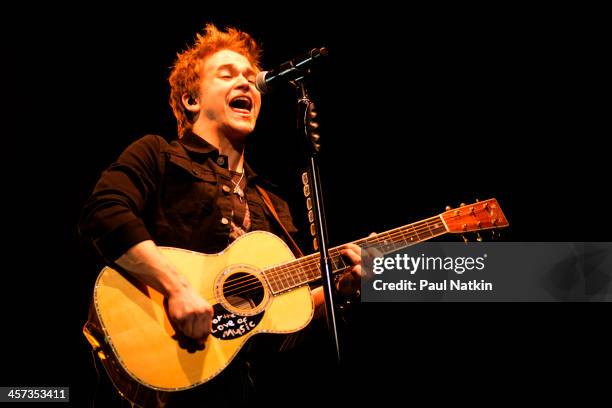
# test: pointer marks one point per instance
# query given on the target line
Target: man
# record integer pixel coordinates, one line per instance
(196, 193)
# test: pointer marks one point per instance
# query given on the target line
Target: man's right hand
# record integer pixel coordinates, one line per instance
(189, 313)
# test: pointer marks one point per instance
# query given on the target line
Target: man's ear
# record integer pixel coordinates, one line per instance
(190, 103)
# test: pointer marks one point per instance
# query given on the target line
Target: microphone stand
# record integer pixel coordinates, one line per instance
(307, 123)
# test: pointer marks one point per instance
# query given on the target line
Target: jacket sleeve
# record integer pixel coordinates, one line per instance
(112, 216)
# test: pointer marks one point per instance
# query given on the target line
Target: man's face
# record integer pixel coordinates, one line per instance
(228, 98)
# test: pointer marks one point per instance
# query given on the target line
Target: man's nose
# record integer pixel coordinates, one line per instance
(242, 83)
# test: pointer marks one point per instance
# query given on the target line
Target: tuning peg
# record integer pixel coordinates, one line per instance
(478, 237)
(447, 208)
(494, 234)
(477, 200)
(462, 205)
(464, 238)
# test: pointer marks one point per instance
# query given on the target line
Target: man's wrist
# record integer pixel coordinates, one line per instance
(349, 292)
(178, 285)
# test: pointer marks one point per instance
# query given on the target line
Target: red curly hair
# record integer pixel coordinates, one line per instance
(185, 75)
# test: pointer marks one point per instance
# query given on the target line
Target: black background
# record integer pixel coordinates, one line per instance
(420, 108)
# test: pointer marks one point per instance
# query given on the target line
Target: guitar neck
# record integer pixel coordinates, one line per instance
(307, 269)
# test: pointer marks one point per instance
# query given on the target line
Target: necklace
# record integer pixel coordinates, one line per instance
(237, 189)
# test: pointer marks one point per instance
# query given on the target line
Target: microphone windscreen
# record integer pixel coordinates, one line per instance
(260, 83)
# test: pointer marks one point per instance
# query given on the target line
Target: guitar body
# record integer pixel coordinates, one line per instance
(136, 341)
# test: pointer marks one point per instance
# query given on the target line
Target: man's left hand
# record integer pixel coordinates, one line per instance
(350, 281)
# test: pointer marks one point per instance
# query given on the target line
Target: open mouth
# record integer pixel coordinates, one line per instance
(241, 104)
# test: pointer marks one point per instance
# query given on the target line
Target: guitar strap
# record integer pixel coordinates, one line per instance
(268, 202)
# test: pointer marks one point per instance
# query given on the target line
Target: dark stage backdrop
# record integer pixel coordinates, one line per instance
(420, 108)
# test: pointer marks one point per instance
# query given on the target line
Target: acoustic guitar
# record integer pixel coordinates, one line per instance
(255, 286)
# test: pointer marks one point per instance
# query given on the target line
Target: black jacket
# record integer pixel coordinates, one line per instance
(173, 194)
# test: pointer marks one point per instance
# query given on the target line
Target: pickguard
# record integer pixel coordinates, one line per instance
(227, 325)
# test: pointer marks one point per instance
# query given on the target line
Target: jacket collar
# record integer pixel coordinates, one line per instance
(195, 144)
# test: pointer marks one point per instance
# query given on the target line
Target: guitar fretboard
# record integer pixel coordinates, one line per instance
(307, 269)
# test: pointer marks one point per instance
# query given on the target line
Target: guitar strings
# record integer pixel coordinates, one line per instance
(306, 262)
(251, 283)
(279, 271)
(404, 232)
(311, 263)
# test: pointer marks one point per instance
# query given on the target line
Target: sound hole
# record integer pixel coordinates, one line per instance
(243, 291)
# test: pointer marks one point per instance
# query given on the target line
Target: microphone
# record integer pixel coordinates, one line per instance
(287, 71)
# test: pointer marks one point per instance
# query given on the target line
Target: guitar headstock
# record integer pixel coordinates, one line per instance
(481, 215)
